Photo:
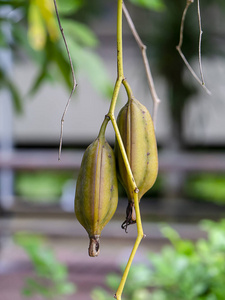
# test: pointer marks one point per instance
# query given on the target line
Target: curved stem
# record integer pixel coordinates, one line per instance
(128, 89)
(103, 126)
(74, 79)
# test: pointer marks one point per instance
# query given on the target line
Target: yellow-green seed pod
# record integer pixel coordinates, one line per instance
(96, 196)
(138, 136)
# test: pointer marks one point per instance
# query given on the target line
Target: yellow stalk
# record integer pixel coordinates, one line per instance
(121, 80)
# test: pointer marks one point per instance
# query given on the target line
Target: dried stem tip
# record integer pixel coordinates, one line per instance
(93, 249)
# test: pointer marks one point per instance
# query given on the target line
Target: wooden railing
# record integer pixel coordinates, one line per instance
(70, 160)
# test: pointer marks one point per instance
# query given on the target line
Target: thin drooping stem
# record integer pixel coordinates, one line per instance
(189, 2)
(179, 46)
(143, 49)
(200, 43)
(73, 76)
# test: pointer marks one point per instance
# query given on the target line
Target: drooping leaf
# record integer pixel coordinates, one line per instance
(41, 77)
(16, 97)
(20, 34)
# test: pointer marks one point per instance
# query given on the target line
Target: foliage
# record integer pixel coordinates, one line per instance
(41, 186)
(209, 187)
(156, 5)
(184, 270)
(30, 29)
(50, 280)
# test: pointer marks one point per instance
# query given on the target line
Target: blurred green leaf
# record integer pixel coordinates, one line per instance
(184, 270)
(100, 294)
(141, 294)
(33, 287)
(66, 288)
(41, 77)
(157, 5)
(50, 275)
(17, 101)
(81, 33)
(41, 186)
(170, 234)
(69, 6)
(20, 35)
(208, 187)
(113, 280)
(14, 3)
(90, 63)
(182, 246)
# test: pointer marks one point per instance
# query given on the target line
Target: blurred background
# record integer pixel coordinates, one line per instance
(43, 248)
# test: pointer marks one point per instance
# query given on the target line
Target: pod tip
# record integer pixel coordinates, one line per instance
(93, 249)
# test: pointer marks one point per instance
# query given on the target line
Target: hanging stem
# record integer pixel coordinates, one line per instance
(143, 49)
(73, 75)
(200, 43)
(121, 80)
(178, 47)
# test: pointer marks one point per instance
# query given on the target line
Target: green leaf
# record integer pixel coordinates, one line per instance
(113, 280)
(17, 100)
(40, 78)
(61, 60)
(141, 294)
(66, 288)
(171, 234)
(20, 35)
(90, 63)
(81, 33)
(51, 276)
(35, 287)
(207, 187)
(157, 5)
(139, 277)
(27, 292)
(69, 6)
(100, 294)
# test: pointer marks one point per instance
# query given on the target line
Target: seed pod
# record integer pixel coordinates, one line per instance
(96, 190)
(138, 136)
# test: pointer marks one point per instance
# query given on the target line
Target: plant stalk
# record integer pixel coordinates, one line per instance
(121, 80)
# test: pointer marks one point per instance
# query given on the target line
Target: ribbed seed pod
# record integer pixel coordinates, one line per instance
(137, 132)
(96, 195)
